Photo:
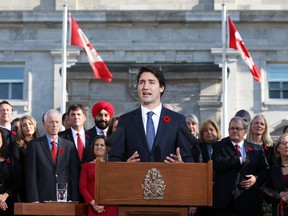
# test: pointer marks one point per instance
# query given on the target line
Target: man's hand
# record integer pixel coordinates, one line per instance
(284, 196)
(174, 158)
(249, 182)
(134, 157)
(3, 206)
(3, 197)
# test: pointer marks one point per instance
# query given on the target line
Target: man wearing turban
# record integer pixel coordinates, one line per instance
(102, 113)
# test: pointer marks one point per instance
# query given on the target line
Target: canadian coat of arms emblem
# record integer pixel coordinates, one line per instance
(153, 187)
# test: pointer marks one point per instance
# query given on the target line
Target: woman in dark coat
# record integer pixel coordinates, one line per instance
(279, 177)
(27, 131)
(9, 178)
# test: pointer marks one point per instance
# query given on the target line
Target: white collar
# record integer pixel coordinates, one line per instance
(156, 111)
(81, 132)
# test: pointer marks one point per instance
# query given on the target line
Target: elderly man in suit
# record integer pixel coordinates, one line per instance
(77, 134)
(49, 160)
(151, 132)
(240, 167)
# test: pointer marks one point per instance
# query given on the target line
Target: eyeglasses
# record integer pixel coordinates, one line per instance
(283, 143)
(236, 128)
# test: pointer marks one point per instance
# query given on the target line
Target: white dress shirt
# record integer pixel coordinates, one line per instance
(155, 117)
(242, 150)
(82, 135)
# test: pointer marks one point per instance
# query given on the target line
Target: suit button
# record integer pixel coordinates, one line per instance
(56, 175)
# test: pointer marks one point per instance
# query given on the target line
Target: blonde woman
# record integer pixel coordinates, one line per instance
(27, 131)
(209, 134)
(258, 133)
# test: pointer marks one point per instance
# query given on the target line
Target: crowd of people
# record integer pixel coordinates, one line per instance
(250, 172)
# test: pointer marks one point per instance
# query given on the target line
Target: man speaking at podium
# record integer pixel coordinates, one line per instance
(150, 133)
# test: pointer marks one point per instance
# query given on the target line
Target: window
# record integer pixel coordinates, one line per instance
(11, 81)
(278, 81)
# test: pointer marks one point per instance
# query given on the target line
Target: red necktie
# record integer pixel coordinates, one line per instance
(238, 150)
(80, 146)
(54, 151)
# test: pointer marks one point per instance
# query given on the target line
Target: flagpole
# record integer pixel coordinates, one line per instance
(64, 57)
(224, 125)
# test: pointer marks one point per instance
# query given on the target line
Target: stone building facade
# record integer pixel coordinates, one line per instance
(182, 37)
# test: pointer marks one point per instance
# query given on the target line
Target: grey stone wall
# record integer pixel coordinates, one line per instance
(182, 32)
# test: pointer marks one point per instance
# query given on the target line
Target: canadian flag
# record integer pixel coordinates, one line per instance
(78, 38)
(237, 43)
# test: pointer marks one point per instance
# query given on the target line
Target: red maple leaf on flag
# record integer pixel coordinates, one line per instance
(78, 38)
(237, 43)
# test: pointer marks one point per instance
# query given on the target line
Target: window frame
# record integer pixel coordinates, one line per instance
(10, 81)
(272, 67)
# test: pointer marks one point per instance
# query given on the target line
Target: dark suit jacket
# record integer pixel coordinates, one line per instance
(204, 151)
(276, 184)
(42, 175)
(229, 173)
(10, 137)
(278, 180)
(92, 132)
(10, 182)
(67, 134)
(167, 139)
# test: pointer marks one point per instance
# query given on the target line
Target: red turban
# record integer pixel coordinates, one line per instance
(102, 105)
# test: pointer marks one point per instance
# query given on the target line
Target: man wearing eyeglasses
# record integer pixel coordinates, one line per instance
(239, 167)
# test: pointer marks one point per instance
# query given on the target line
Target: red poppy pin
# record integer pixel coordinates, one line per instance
(87, 136)
(61, 150)
(166, 119)
(250, 149)
(14, 133)
(266, 148)
(8, 160)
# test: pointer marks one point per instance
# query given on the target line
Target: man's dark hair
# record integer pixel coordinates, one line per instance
(6, 102)
(244, 114)
(285, 128)
(64, 115)
(75, 107)
(156, 72)
(15, 120)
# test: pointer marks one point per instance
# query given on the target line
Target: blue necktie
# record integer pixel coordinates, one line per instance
(150, 131)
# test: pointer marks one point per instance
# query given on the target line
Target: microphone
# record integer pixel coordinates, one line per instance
(115, 136)
(192, 140)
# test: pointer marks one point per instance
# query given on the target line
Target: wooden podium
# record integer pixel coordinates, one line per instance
(51, 208)
(153, 188)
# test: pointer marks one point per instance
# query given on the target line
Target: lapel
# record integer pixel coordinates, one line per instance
(87, 149)
(161, 130)
(87, 140)
(279, 177)
(70, 136)
(247, 146)
(60, 152)
(138, 124)
(249, 150)
(45, 146)
(230, 147)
